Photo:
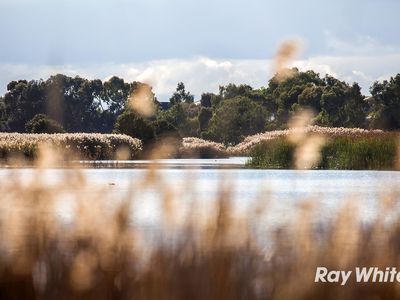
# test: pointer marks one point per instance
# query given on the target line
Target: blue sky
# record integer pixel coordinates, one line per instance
(203, 43)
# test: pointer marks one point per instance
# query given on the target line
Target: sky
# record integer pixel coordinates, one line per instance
(204, 43)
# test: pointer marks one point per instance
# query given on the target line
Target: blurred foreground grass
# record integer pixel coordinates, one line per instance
(99, 253)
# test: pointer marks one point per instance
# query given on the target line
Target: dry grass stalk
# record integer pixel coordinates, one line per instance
(142, 101)
(19, 147)
(287, 51)
(99, 252)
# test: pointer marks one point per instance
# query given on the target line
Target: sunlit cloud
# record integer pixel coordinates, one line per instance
(204, 74)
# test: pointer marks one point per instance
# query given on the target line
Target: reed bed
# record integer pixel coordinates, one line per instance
(106, 146)
(346, 148)
(249, 142)
(83, 145)
(196, 147)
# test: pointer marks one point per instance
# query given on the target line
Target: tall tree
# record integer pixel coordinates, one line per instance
(43, 124)
(236, 118)
(205, 116)
(232, 90)
(115, 94)
(285, 93)
(70, 101)
(180, 95)
(2, 115)
(335, 102)
(22, 101)
(342, 105)
(130, 123)
(78, 104)
(385, 104)
(206, 99)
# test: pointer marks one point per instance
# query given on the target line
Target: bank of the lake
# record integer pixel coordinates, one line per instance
(182, 163)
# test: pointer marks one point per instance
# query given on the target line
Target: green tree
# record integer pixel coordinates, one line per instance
(236, 118)
(180, 95)
(335, 102)
(385, 104)
(206, 99)
(115, 94)
(310, 97)
(165, 129)
(286, 93)
(341, 105)
(74, 103)
(22, 101)
(78, 104)
(184, 117)
(2, 115)
(43, 124)
(231, 91)
(130, 123)
(205, 116)
(175, 115)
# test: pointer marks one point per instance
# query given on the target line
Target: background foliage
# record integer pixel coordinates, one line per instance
(81, 105)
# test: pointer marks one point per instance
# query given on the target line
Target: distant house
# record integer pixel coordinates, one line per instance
(164, 105)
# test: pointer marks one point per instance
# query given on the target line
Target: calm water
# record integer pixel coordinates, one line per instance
(282, 190)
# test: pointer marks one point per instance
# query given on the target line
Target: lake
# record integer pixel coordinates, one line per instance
(201, 180)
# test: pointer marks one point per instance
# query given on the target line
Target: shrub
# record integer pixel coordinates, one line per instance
(274, 154)
(165, 129)
(41, 123)
(205, 116)
(132, 124)
(236, 118)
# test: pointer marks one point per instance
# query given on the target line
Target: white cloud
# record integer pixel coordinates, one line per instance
(358, 45)
(354, 68)
(203, 74)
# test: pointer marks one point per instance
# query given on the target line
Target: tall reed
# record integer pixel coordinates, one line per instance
(338, 153)
(82, 145)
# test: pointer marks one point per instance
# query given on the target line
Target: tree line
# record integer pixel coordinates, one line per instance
(66, 104)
